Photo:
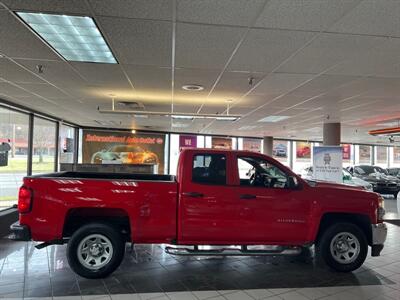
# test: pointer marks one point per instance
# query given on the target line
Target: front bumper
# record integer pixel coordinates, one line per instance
(379, 234)
(20, 232)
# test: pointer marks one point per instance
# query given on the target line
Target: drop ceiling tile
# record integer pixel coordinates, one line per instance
(102, 74)
(279, 83)
(150, 79)
(138, 9)
(44, 90)
(233, 85)
(142, 42)
(12, 72)
(205, 46)
(371, 17)
(265, 49)
(228, 12)
(56, 72)
(14, 32)
(59, 6)
(314, 15)
(12, 90)
(328, 50)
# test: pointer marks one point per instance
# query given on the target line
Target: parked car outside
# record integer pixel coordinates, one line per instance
(394, 172)
(381, 182)
(307, 173)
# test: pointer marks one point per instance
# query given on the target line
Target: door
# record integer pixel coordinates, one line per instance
(208, 208)
(271, 211)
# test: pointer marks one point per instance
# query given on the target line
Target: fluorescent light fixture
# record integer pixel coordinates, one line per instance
(273, 119)
(182, 117)
(75, 38)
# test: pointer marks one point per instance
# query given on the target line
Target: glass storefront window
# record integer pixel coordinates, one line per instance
(44, 145)
(381, 156)
(13, 163)
(363, 154)
(67, 144)
(348, 155)
(395, 156)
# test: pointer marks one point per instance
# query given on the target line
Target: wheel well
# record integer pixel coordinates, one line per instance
(77, 217)
(362, 221)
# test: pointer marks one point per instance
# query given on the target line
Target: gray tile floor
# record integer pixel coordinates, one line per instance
(149, 273)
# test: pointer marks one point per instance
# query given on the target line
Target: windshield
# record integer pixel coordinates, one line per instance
(367, 170)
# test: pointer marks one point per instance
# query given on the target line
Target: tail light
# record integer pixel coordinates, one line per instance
(24, 200)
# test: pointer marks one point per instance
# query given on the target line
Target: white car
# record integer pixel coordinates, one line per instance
(307, 173)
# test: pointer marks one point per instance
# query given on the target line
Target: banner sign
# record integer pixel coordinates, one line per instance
(221, 143)
(327, 163)
(252, 145)
(187, 141)
(118, 147)
(346, 151)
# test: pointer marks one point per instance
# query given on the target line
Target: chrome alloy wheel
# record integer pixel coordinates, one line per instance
(95, 251)
(345, 248)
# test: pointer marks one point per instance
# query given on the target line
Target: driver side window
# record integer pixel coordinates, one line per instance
(254, 171)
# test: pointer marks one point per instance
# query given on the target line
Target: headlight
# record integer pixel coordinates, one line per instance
(381, 208)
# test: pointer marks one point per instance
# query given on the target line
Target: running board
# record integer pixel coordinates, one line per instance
(232, 251)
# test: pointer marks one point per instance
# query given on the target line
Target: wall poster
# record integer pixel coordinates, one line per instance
(187, 141)
(252, 145)
(221, 143)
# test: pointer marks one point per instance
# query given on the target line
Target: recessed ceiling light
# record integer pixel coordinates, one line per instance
(76, 38)
(193, 87)
(273, 119)
(133, 131)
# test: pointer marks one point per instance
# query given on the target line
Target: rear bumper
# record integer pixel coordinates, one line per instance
(20, 232)
(379, 234)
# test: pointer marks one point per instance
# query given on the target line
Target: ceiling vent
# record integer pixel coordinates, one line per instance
(133, 105)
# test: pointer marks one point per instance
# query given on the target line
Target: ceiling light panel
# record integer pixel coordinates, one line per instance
(273, 119)
(76, 38)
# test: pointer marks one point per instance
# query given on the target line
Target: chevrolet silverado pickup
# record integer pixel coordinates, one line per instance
(218, 199)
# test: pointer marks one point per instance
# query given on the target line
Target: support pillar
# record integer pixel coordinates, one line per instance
(268, 142)
(331, 134)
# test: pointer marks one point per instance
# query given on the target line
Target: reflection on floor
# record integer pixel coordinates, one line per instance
(149, 273)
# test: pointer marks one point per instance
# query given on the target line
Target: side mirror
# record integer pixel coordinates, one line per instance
(293, 183)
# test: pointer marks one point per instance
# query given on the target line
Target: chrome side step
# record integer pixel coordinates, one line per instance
(232, 250)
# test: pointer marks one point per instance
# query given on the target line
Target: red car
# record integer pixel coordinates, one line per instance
(218, 198)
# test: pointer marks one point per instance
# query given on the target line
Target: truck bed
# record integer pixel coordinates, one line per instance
(92, 175)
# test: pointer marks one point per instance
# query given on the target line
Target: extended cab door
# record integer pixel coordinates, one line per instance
(271, 211)
(208, 207)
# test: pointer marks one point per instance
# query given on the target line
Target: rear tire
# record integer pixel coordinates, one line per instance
(343, 247)
(95, 250)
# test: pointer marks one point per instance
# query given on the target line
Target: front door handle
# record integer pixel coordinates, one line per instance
(248, 196)
(193, 194)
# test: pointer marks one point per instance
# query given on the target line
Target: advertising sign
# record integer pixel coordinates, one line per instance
(280, 149)
(252, 145)
(327, 163)
(303, 150)
(221, 143)
(118, 147)
(346, 151)
(187, 141)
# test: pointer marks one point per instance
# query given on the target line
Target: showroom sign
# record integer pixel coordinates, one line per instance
(327, 163)
(120, 147)
(187, 141)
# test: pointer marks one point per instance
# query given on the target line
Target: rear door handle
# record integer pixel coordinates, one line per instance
(248, 196)
(193, 194)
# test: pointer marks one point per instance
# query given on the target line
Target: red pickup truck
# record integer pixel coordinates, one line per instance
(218, 198)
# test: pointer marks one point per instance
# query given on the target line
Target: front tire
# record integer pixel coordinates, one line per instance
(95, 250)
(343, 247)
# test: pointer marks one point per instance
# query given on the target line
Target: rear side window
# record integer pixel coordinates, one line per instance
(209, 169)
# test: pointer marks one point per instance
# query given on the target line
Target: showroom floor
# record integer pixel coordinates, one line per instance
(149, 273)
